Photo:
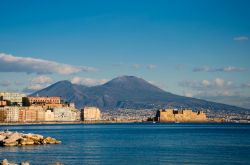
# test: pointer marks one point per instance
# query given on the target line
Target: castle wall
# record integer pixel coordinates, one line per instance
(170, 115)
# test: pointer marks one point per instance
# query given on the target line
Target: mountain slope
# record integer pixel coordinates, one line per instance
(127, 92)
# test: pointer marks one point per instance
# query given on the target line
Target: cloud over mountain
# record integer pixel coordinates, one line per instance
(38, 83)
(10, 63)
(88, 81)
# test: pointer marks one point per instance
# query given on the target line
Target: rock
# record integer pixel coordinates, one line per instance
(5, 162)
(14, 143)
(58, 163)
(8, 138)
(25, 163)
(26, 141)
(12, 139)
(2, 137)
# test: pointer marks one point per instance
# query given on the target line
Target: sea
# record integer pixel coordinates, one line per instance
(135, 144)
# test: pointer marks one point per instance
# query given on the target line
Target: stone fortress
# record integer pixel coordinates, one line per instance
(187, 115)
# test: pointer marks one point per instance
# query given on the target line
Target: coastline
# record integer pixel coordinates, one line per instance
(115, 122)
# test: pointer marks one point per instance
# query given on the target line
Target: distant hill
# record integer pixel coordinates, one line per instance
(128, 92)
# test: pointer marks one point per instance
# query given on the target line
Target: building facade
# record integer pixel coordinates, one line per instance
(3, 103)
(14, 98)
(9, 114)
(49, 115)
(91, 114)
(171, 115)
(44, 100)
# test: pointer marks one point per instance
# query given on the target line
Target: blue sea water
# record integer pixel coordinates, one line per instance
(136, 144)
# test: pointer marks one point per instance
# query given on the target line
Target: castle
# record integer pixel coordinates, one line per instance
(172, 115)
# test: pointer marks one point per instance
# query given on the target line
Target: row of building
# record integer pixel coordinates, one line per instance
(16, 107)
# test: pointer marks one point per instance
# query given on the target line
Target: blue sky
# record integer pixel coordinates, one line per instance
(193, 48)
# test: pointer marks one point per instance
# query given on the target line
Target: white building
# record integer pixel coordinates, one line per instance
(12, 114)
(91, 114)
(65, 114)
(14, 98)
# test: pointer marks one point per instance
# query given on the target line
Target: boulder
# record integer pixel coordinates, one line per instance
(6, 162)
(25, 163)
(2, 137)
(26, 141)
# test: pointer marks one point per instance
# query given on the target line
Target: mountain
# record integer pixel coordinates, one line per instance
(128, 92)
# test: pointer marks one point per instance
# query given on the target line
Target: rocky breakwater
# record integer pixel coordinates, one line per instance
(8, 138)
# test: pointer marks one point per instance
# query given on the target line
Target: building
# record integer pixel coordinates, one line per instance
(91, 114)
(31, 114)
(64, 114)
(49, 115)
(3, 103)
(9, 114)
(14, 98)
(172, 115)
(44, 100)
(3, 115)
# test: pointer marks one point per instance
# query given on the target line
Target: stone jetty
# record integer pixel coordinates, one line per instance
(6, 162)
(8, 138)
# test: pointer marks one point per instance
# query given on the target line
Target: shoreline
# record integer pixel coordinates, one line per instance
(114, 122)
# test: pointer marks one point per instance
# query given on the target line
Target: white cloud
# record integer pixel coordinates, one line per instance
(88, 81)
(10, 63)
(216, 83)
(205, 88)
(219, 82)
(151, 66)
(41, 80)
(206, 83)
(233, 69)
(223, 69)
(136, 66)
(241, 38)
(38, 83)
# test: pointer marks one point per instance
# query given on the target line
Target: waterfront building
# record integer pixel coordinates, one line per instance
(91, 114)
(3, 115)
(14, 98)
(63, 114)
(44, 100)
(3, 103)
(9, 114)
(32, 114)
(172, 115)
(49, 115)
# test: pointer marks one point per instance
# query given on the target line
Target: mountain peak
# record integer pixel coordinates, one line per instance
(126, 79)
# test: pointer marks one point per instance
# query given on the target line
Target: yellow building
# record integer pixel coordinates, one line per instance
(91, 114)
(171, 115)
(49, 115)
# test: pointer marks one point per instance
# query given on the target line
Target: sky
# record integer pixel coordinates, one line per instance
(188, 47)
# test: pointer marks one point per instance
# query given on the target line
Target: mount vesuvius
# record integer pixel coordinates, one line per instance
(128, 92)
